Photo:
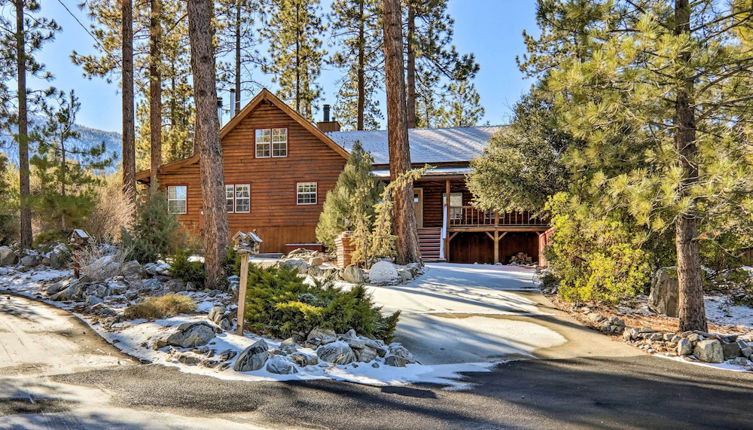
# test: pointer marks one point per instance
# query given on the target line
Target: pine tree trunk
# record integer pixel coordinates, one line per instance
(23, 128)
(692, 312)
(361, 78)
(129, 139)
(208, 140)
(237, 57)
(155, 89)
(297, 61)
(397, 130)
(410, 66)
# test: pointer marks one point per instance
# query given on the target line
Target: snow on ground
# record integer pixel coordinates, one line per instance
(721, 310)
(721, 366)
(133, 338)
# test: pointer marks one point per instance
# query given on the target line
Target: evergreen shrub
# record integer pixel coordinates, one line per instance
(154, 233)
(189, 271)
(281, 304)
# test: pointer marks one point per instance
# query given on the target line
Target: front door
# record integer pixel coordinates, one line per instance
(418, 205)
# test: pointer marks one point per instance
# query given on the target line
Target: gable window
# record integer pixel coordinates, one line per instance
(306, 193)
(271, 142)
(238, 198)
(176, 199)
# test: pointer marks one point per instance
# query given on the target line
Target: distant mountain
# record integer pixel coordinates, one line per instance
(89, 137)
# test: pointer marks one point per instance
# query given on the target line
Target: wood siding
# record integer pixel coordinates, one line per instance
(275, 214)
(479, 248)
(433, 190)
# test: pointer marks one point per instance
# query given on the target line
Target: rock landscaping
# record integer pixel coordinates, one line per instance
(321, 265)
(200, 340)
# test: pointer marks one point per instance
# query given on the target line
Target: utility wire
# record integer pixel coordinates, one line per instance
(82, 25)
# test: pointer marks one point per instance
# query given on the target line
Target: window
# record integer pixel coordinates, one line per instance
(230, 198)
(306, 193)
(243, 198)
(456, 204)
(176, 199)
(271, 142)
(279, 142)
(238, 198)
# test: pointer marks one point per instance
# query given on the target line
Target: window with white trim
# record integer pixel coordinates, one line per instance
(176, 199)
(306, 193)
(238, 198)
(242, 198)
(271, 142)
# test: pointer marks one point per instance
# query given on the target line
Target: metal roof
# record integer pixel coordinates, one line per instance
(427, 145)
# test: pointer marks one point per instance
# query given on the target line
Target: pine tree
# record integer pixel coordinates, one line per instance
(660, 95)
(21, 40)
(155, 89)
(237, 39)
(293, 30)
(200, 30)
(397, 129)
(66, 170)
(355, 26)
(460, 106)
(8, 211)
(431, 58)
(155, 232)
(342, 209)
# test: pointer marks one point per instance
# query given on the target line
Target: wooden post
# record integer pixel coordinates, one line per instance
(242, 292)
(496, 247)
(447, 216)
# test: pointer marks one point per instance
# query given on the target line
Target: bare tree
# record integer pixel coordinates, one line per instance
(397, 130)
(208, 140)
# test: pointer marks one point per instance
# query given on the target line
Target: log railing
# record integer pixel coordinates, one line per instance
(462, 216)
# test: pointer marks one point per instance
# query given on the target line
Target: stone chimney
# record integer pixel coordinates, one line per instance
(327, 124)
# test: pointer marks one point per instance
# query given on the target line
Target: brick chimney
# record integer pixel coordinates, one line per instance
(327, 124)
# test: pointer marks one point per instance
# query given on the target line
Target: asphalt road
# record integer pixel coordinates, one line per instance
(56, 373)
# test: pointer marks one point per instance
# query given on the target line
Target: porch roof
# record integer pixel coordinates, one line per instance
(427, 145)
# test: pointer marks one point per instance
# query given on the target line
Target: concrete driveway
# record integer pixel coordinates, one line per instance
(458, 313)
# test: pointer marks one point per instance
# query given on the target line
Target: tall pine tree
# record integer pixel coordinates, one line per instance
(355, 26)
(21, 40)
(293, 30)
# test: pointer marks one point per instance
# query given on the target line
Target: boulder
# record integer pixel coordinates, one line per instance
(101, 268)
(336, 352)
(316, 261)
(72, 292)
(7, 256)
(684, 347)
(405, 274)
(303, 360)
(59, 256)
(30, 260)
(395, 361)
(319, 336)
(253, 357)
(102, 310)
(709, 350)
(739, 361)
(221, 317)
(630, 334)
(731, 350)
(280, 365)
(288, 346)
(366, 354)
(353, 274)
(191, 335)
(383, 271)
(402, 352)
(57, 287)
(664, 297)
(158, 268)
(296, 263)
(131, 270)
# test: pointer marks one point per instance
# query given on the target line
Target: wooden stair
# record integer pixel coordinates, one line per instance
(430, 241)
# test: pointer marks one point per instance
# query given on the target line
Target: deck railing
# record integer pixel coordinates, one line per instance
(462, 216)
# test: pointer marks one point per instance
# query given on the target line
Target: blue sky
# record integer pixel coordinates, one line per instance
(491, 29)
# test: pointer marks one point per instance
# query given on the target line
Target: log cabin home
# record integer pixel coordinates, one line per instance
(278, 167)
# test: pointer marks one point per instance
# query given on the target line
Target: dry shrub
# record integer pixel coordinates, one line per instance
(112, 212)
(160, 307)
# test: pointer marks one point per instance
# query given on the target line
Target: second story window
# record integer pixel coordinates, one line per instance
(271, 142)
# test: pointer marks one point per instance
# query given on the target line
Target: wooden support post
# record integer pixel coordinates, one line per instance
(242, 293)
(447, 217)
(496, 247)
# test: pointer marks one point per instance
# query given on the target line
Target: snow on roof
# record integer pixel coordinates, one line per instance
(450, 171)
(427, 145)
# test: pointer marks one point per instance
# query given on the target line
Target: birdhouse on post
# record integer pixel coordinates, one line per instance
(78, 240)
(245, 244)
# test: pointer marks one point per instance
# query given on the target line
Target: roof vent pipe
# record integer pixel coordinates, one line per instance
(326, 113)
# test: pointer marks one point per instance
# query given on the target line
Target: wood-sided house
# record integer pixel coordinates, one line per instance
(278, 168)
